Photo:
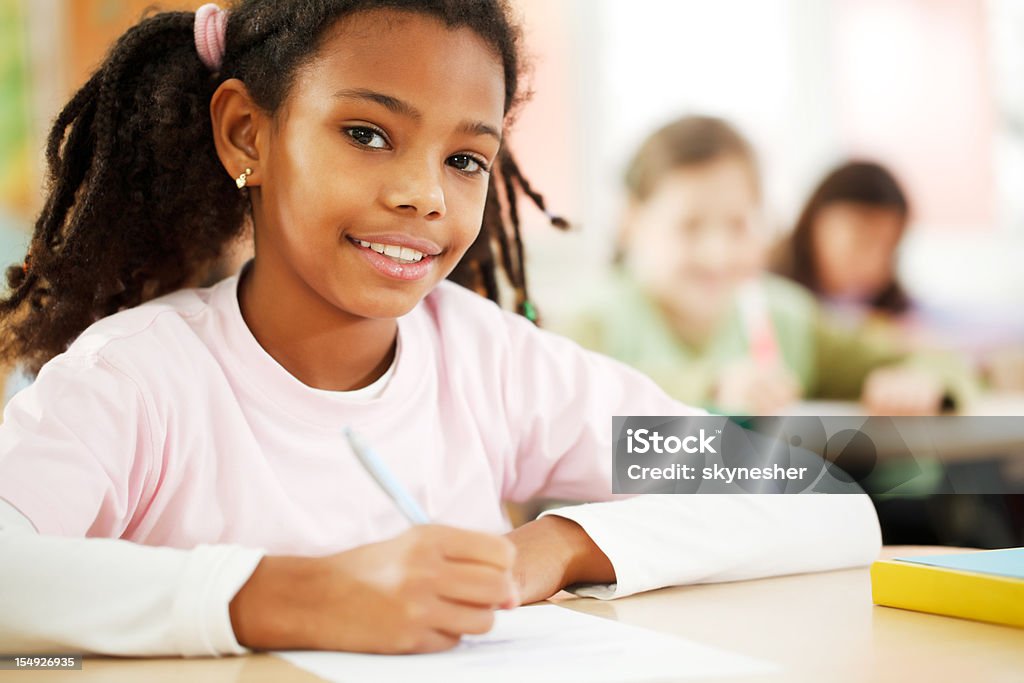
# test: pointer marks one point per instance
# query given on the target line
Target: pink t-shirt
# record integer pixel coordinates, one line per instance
(168, 424)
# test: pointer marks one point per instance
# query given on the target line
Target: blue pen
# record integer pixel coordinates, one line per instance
(387, 481)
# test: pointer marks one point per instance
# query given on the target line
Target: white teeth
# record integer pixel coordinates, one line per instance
(394, 251)
(410, 254)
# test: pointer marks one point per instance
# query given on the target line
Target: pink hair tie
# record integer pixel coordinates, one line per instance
(210, 27)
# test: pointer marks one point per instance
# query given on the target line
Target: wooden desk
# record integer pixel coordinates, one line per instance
(817, 627)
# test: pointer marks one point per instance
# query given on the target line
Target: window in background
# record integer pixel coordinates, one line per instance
(1006, 30)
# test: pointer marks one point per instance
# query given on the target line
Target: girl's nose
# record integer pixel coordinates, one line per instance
(417, 189)
(713, 249)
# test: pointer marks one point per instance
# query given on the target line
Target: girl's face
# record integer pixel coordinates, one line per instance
(697, 237)
(854, 248)
(383, 144)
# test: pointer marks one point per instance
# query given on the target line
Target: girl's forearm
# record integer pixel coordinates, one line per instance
(587, 562)
(264, 612)
(553, 553)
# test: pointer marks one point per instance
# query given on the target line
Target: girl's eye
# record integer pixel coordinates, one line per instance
(467, 163)
(367, 137)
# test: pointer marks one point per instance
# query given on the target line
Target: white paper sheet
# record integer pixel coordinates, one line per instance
(542, 644)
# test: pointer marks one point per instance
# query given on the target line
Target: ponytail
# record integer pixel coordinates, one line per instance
(138, 204)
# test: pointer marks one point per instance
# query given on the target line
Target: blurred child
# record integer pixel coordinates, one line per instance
(845, 242)
(860, 208)
(692, 306)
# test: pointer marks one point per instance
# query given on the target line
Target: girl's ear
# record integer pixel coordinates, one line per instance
(239, 130)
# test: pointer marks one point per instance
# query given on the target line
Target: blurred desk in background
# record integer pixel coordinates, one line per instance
(982, 462)
(994, 405)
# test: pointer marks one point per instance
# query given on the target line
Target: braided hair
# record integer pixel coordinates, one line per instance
(138, 204)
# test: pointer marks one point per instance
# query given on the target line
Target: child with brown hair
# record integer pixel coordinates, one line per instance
(843, 248)
(692, 306)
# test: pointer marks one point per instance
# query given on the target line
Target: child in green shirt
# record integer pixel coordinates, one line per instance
(691, 305)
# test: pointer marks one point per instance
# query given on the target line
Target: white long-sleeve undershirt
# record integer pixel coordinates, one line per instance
(110, 596)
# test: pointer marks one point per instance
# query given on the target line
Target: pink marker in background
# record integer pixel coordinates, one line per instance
(757, 322)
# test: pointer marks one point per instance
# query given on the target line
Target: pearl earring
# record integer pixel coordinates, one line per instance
(243, 178)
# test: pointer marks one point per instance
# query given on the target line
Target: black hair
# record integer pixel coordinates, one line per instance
(138, 203)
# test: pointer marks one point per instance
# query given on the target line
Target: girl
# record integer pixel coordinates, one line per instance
(177, 480)
(692, 307)
(859, 208)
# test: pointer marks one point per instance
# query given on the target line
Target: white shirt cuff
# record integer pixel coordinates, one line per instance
(213, 575)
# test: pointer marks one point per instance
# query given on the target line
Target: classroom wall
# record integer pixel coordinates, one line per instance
(913, 86)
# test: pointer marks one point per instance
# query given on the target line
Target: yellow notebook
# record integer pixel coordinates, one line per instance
(986, 585)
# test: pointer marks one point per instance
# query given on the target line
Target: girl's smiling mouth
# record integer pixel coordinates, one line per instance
(397, 256)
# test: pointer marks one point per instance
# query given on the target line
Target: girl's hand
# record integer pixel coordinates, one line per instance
(902, 391)
(418, 592)
(753, 389)
(554, 552)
